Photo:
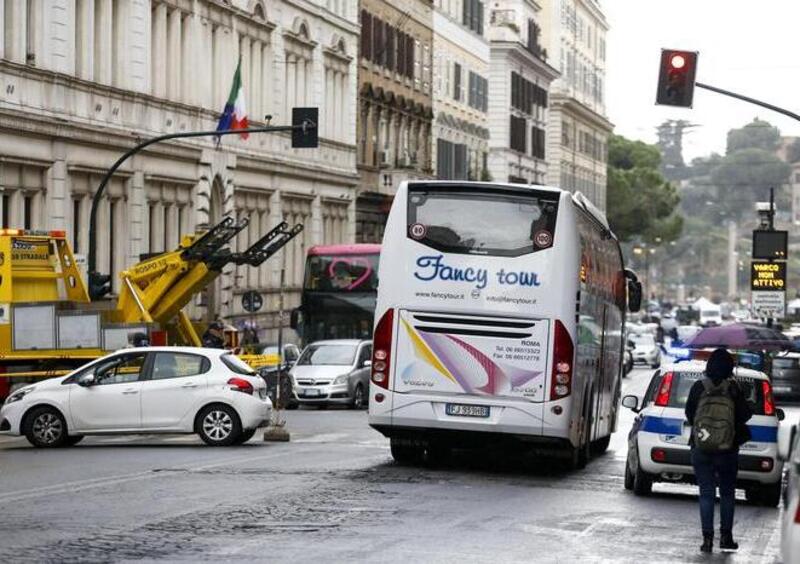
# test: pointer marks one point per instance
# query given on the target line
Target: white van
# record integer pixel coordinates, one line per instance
(499, 314)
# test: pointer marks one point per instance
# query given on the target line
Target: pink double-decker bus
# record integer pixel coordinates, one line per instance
(339, 292)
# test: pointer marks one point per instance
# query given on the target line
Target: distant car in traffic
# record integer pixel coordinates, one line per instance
(658, 442)
(291, 352)
(627, 361)
(210, 392)
(786, 376)
(646, 350)
(272, 371)
(334, 372)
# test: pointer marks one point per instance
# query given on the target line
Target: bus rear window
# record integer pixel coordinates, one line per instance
(483, 222)
(342, 273)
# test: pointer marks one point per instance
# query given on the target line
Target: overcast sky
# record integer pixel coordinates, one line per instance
(745, 46)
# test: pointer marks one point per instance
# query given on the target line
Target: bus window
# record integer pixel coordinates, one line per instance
(480, 222)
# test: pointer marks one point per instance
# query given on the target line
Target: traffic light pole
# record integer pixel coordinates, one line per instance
(95, 277)
(748, 99)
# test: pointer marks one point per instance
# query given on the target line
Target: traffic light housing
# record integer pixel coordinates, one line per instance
(305, 134)
(99, 285)
(676, 78)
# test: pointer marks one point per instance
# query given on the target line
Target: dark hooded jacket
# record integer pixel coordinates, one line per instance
(719, 367)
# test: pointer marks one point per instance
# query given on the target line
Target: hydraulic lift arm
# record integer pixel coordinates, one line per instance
(158, 288)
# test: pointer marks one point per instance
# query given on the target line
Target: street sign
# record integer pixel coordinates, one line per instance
(769, 304)
(768, 276)
(770, 244)
(252, 301)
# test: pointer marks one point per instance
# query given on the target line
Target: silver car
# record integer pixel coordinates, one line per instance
(334, 372)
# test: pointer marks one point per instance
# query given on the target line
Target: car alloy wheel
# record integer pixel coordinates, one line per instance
(48, 428)
(217, 425)
(358, 397)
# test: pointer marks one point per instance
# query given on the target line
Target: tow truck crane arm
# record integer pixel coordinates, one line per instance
(158, 288)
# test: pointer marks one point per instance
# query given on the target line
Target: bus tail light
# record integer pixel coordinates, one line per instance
(769, 403)
(382, 350)
(563, 356)
(664, 389)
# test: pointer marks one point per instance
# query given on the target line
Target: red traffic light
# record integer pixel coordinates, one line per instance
(676, 78)
(677, 62)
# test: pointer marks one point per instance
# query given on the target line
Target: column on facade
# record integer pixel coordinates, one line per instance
(218, 49)
(159, 49)
(344, 110)
(325, 130)
(189, 51)
(336, 132)
(256, 81)
(244, 52)
(300, 88)
(103, 38)
(206, 87)
(266, 78)
(84, 41)
(174, 44)
(291, 73)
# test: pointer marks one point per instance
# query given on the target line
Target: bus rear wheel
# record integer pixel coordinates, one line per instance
(601, 445)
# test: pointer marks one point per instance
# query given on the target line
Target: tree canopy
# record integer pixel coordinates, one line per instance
(641, 204)
(757, 134)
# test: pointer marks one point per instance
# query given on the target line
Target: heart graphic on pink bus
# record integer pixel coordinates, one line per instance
(347, 266)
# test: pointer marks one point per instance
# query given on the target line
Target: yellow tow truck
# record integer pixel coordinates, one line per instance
(49, 325)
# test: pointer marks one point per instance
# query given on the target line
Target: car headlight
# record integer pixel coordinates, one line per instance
(19, 394)
(340, 380)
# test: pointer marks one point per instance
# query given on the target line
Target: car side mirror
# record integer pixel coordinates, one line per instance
(631, 402)
(634, 291)
(780, 414)
(366, 364)
(786, 437)
(87, 380)
(295, 318)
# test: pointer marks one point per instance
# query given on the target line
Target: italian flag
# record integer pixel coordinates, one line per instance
(234, 116)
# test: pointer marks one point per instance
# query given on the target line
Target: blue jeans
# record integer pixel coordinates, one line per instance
(711, 470)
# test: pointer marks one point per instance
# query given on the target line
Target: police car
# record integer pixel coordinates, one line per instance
(658, 443)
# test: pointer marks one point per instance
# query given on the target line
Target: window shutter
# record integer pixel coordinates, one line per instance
(366, 35)
(480, 18)
(457, 82)
(390, 47)
(401, 53)
(460, 162)
(409, 56)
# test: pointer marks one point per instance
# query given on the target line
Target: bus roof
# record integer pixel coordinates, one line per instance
(354, 249)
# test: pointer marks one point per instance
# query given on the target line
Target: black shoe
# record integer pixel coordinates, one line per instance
(708, 543)
(726, 542)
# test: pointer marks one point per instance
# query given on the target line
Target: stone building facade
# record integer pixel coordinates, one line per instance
(83, 80)
(574, 34)
(394, 106)
(460, 90)
(518, 93)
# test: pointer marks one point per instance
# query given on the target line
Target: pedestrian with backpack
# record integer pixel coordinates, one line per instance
(717, 412)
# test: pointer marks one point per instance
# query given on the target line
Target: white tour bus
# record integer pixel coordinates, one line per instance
(499, 318)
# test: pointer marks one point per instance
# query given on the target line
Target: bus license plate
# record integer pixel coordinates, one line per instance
(467, 410)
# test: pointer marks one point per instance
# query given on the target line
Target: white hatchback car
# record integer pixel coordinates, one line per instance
(658, 442)
(210, 392)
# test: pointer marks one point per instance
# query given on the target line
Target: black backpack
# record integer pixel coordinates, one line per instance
(714, 428)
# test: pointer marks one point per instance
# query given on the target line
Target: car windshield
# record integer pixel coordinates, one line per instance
(236, 364)
(270, 349)
(342, 355)
(682, 383)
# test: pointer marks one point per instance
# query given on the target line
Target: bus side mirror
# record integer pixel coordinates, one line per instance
(634, 291)
(295, 318)
(631, 402)
(786, 438)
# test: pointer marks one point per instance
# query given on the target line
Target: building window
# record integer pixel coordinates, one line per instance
(478, 88)
(76, 225)
(472, 16)
(518, 141)
(6, 210)
(526, 96)
(537, 143)
(366, 35)
(452, 162)
(27, 221)
(456, 82)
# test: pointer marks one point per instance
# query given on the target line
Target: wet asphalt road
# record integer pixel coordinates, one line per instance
(333, 494)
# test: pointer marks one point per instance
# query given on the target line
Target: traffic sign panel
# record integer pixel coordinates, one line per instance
(769, 303)
(767, 276)
(252, 301)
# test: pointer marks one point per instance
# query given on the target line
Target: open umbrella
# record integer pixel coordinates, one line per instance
(741, 336)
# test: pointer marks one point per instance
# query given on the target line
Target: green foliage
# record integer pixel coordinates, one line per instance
(641, 203)
(793, 152)
(757, 134)
(744, 177)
